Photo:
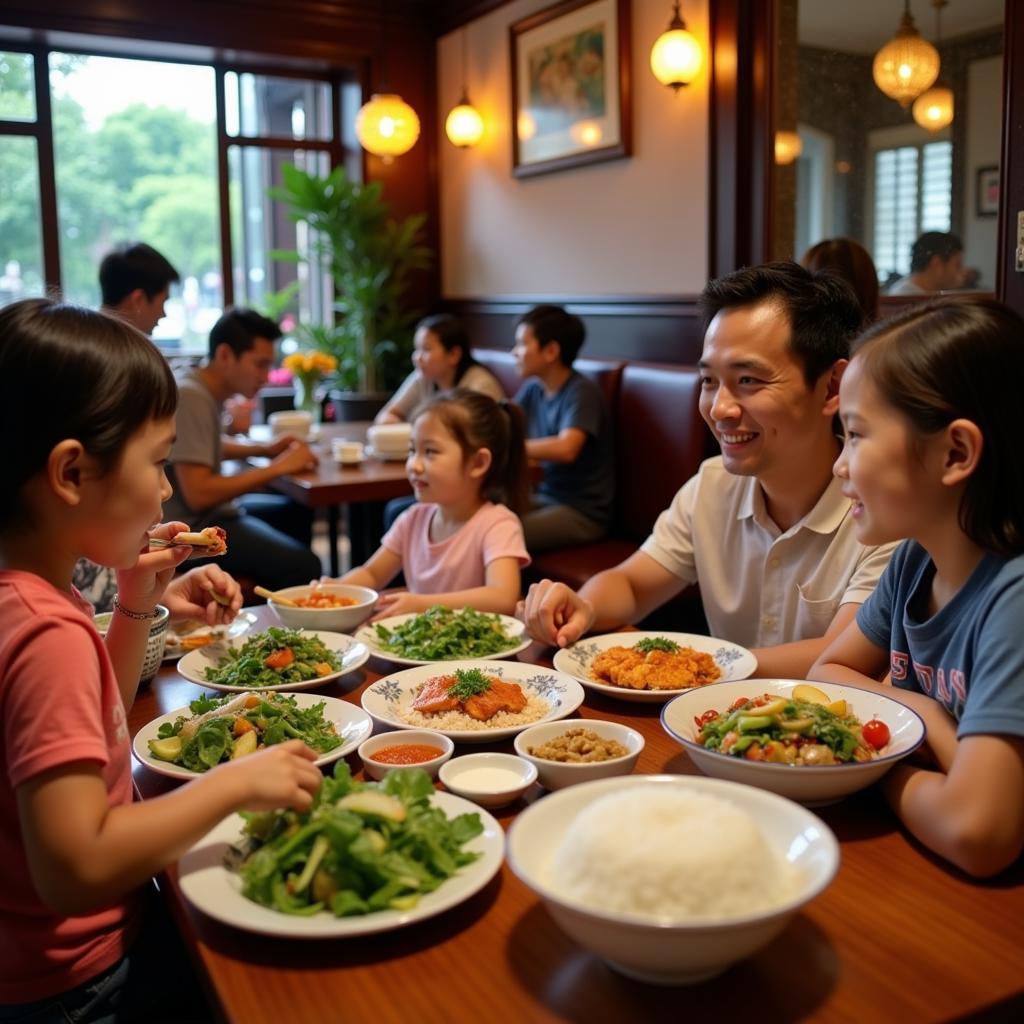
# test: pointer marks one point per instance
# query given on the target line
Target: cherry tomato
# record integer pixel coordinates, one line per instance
(875, 733)
(737, 704)
(755, 752)
(702, 720)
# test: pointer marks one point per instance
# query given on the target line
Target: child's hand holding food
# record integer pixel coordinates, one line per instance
(207, 593)
(141, 587)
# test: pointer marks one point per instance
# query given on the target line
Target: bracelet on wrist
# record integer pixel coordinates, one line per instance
(129, 614)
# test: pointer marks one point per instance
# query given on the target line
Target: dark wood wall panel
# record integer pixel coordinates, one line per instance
(664, 330)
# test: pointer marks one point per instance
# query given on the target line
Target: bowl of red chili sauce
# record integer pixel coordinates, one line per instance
(405, 748)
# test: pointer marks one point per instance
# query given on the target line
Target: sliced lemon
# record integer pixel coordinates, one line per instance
(811, 694)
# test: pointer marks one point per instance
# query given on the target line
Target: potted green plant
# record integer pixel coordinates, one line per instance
(370, 257)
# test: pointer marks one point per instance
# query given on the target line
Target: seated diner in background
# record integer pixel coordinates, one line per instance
(270, 535)
(852, 262)
(936, 265)
(461, 544)
(764, 528)
(135, 281)
(568, 430)
(442, 359)
(929, 404)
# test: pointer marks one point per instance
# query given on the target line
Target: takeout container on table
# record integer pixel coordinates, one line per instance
(330, 619)
(408, 737)
(559, 774)
(488, 779)
(671, 951)
(807, 784)
(154, 644)
(291, 421)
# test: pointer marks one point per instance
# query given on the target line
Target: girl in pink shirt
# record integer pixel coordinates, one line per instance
(456, 546)
(91, 403)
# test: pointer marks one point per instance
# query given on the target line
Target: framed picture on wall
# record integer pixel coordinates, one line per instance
(570, 86)
(987, 197)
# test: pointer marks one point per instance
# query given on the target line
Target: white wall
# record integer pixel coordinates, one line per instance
(984, 104)
(634, 226)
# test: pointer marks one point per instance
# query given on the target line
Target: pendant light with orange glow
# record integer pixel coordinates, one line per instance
(908, 64)
(933, 109)
(464, 126)
(676, 56)
(386, 125)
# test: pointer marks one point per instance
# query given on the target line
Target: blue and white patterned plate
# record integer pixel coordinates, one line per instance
(735, 662)
(387, 698)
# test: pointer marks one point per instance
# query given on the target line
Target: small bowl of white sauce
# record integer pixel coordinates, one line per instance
(490, 780)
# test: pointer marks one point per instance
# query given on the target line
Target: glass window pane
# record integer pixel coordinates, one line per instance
(260, 225)
(259, 106)
(17, 86)
(135, 155)
(21, 236)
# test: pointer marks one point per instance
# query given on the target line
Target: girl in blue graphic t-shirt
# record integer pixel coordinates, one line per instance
(933, 411)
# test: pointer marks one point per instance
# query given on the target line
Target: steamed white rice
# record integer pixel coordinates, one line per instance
(670, 855)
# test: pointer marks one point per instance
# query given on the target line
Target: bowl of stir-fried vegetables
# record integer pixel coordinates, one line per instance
(276, 659)
(812, 743)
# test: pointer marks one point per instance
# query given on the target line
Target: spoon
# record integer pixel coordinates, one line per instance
(271, 595)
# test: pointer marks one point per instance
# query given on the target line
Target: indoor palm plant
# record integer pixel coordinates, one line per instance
(370, 257)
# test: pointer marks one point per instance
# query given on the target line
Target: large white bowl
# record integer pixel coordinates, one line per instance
(804, 783)
(559, 774)
(671, 952)
(331, 619)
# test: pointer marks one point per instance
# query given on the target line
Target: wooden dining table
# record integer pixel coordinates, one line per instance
(360, 489)
(898, 936)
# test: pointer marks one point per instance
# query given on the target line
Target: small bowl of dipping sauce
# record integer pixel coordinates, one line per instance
(490, 780)
(406, 748)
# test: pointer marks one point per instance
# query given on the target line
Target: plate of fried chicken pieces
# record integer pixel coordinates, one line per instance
(649, 667)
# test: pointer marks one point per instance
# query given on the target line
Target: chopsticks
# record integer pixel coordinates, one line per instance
(271, 595)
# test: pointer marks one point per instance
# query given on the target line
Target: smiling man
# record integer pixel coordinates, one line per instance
(764, 527)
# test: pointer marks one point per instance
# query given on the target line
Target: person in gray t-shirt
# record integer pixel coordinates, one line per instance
(568, 430)
(268, 535)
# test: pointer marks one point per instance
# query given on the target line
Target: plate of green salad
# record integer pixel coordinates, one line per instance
(212, 730)
(443, 634)
(368, 857)
(276, 659)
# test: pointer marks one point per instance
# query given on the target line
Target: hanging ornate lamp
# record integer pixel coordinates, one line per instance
(676, 56)
(933, 109)
(464, 126)
(908, 64)
(386, 125)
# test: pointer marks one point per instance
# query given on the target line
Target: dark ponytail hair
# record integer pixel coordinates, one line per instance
(98, 379)
(450, 333)
(477, 421)
(961, 359)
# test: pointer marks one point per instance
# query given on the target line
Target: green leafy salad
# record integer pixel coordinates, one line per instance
(443, 634)
(275, 657)
(362, 847)
(228, 728)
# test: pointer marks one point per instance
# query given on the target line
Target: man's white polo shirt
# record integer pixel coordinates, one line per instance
(761, 587)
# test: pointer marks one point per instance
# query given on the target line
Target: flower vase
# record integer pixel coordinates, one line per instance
(306, 398)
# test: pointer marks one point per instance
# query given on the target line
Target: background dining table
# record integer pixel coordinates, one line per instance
(361, 489)
(898, 936)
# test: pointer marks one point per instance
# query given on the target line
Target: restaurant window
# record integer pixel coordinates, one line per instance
(21, 237)
(140, 149)
(912, 194)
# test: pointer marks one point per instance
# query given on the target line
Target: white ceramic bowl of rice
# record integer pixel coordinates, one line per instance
(671, 879)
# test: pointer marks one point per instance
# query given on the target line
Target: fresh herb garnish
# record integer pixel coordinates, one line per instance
(468, 683)
(655, 643)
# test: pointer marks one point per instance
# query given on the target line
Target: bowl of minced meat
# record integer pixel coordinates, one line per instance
(579, 750)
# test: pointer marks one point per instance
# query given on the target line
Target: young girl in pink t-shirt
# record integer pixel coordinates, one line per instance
(91, 402)
(456, 546)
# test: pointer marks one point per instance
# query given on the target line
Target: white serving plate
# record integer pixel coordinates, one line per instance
(368, 635)
(352, 724)
(806, 784)
(352, 655)
(735, 662)
(385, 698)
(216, 891)
(241, 625)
